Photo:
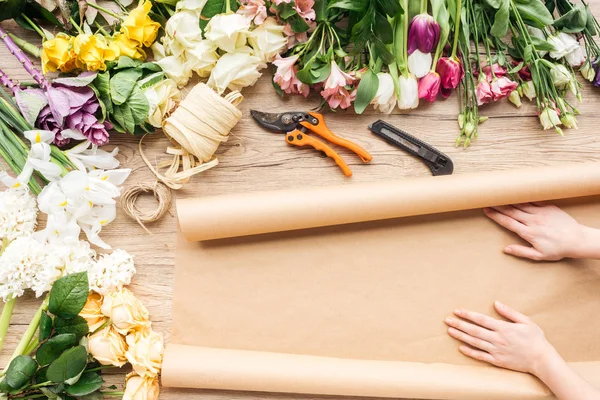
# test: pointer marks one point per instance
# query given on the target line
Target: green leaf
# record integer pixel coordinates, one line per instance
(102, 85)
(382, 51)
(127, 62)
(138, 103)
(54, 347)
(501, 19)
(68, 295)
(93, 396)
(551, 5)
(320, 10)
(516, 68)
(9, 9)
(45, 327)
(102, 105)
(383, 29)
(366, 92)
(5, 387)
(20, 371)
(298, 24)
(77, 326)
(277, 88)
(573, 21)
(40, 375)
(151, 79)
(151, 66)
(68, 365)
(541, 44)
(88, 383)
(210, 9)
(81, 80)
(123, 118)
(534, 13)
(287, 10)
(352, 5)
(390, 7)
(122, 84)
(591, 22)
(495, 4)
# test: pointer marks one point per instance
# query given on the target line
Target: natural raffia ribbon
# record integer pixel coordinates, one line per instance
(198, 126)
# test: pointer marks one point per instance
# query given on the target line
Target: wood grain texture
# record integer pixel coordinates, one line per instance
(254, 159)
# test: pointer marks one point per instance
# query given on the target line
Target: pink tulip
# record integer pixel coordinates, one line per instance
(429, 86)
(502, 87)
(451, 72)
(484, 92)
(423, 34)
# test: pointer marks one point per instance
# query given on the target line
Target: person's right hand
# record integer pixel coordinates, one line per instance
(552, 233)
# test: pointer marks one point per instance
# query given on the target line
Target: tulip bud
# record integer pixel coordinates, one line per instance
(451, 72)
(419, 63)
(429, 87)
(515, 98)
(569, 121)
(409, 93)
(423, 34)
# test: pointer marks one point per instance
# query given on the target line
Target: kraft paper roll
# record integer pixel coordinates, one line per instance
(349, 308)
(264, 212)
(254, 371)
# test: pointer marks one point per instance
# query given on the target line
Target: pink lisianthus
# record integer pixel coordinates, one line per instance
(451, 72)
(286, 78)
(484, 92)
(256, 10)
(498, 71)
(423, 34)
(502, 87)
(304, 8)
(429, 86)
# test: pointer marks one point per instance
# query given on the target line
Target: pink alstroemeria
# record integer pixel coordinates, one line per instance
(278, 2)
(429, 87)
(484, 92)
(286, 78)
(293, 37)
(334, 91)
(423, 34)
(451, 72)
(256, 10)
(304, 8)
(502, 87)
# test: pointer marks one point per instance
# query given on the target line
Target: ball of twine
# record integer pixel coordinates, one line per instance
(196, 128)
(161, 193)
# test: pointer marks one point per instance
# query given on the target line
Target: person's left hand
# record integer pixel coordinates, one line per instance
(519, 345)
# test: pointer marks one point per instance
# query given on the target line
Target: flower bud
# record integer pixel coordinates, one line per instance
(429, 87)
(423, 34)
(138, 388)
(461, 121)
(451, 72)
(588, 72)
(529, 90)
(549, 118)
(108, 347)
(470, 129)
(569, 121)
(483, 119)
(145, 352)
(92, 313)
(126, 312)
(515, 98)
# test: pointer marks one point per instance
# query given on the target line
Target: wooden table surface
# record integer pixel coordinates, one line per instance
(254, 159)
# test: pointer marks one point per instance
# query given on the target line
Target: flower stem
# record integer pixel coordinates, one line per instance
(76, 25)
(6, 81)
(7, 312)
(227, 6)
(101, 29)
(457, 27)
(33, 25)
(104, 10)
(25, 45)
(23, 59)
(32, 345)
(32, 396)
(31, 329)
(100, 368)
(423, 6)
(39, 385)
(113, 393)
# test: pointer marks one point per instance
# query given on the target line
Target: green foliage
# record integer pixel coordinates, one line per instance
(574, 21)
(54, 347)
(366, 92)
(20, 371)
(77, 326)
(68, 295)
(45, 327)
(88, 383)
(68, 365)
(11, 8)
(534, 13)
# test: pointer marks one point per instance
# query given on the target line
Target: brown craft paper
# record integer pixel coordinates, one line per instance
(358, 309)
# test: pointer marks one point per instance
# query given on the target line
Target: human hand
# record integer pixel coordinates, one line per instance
(552, 233)
(519, 345)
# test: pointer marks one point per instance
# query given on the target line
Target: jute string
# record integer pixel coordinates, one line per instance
(198, 126)
(161, 193)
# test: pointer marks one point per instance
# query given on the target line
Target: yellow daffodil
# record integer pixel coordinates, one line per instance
(123, 46)
(138, 26)
(91, 52)
(58, 54)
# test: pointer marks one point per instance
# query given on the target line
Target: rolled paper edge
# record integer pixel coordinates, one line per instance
(241, 370)
(226, 216)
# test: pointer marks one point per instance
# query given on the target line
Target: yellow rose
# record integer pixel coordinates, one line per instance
(90, 50)
(139, 26)
(121, 45)
(145, 352)
(138, 388)
(58, 54)
(91, 311)
(125, 311)
(108, 347)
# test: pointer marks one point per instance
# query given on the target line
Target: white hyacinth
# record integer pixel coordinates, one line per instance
(18, 213)
(112, 272)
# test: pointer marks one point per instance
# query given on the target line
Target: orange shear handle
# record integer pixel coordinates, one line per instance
(322, 130)
(300, 139)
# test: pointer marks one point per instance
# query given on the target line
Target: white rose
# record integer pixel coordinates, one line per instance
(163, 98)
(202, 58)
(108, 347)
(228, 31)
(184, 28)
(268, 40)
(145, 352)
(176, 69)
(235, 71)
(194, 5)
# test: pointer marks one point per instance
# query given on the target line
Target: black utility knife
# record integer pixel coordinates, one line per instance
(438, 162)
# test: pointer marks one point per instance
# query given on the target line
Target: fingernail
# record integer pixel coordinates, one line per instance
(458, 312)
(498, 304)
(448, 320)
(486, 210)
(508, 250)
